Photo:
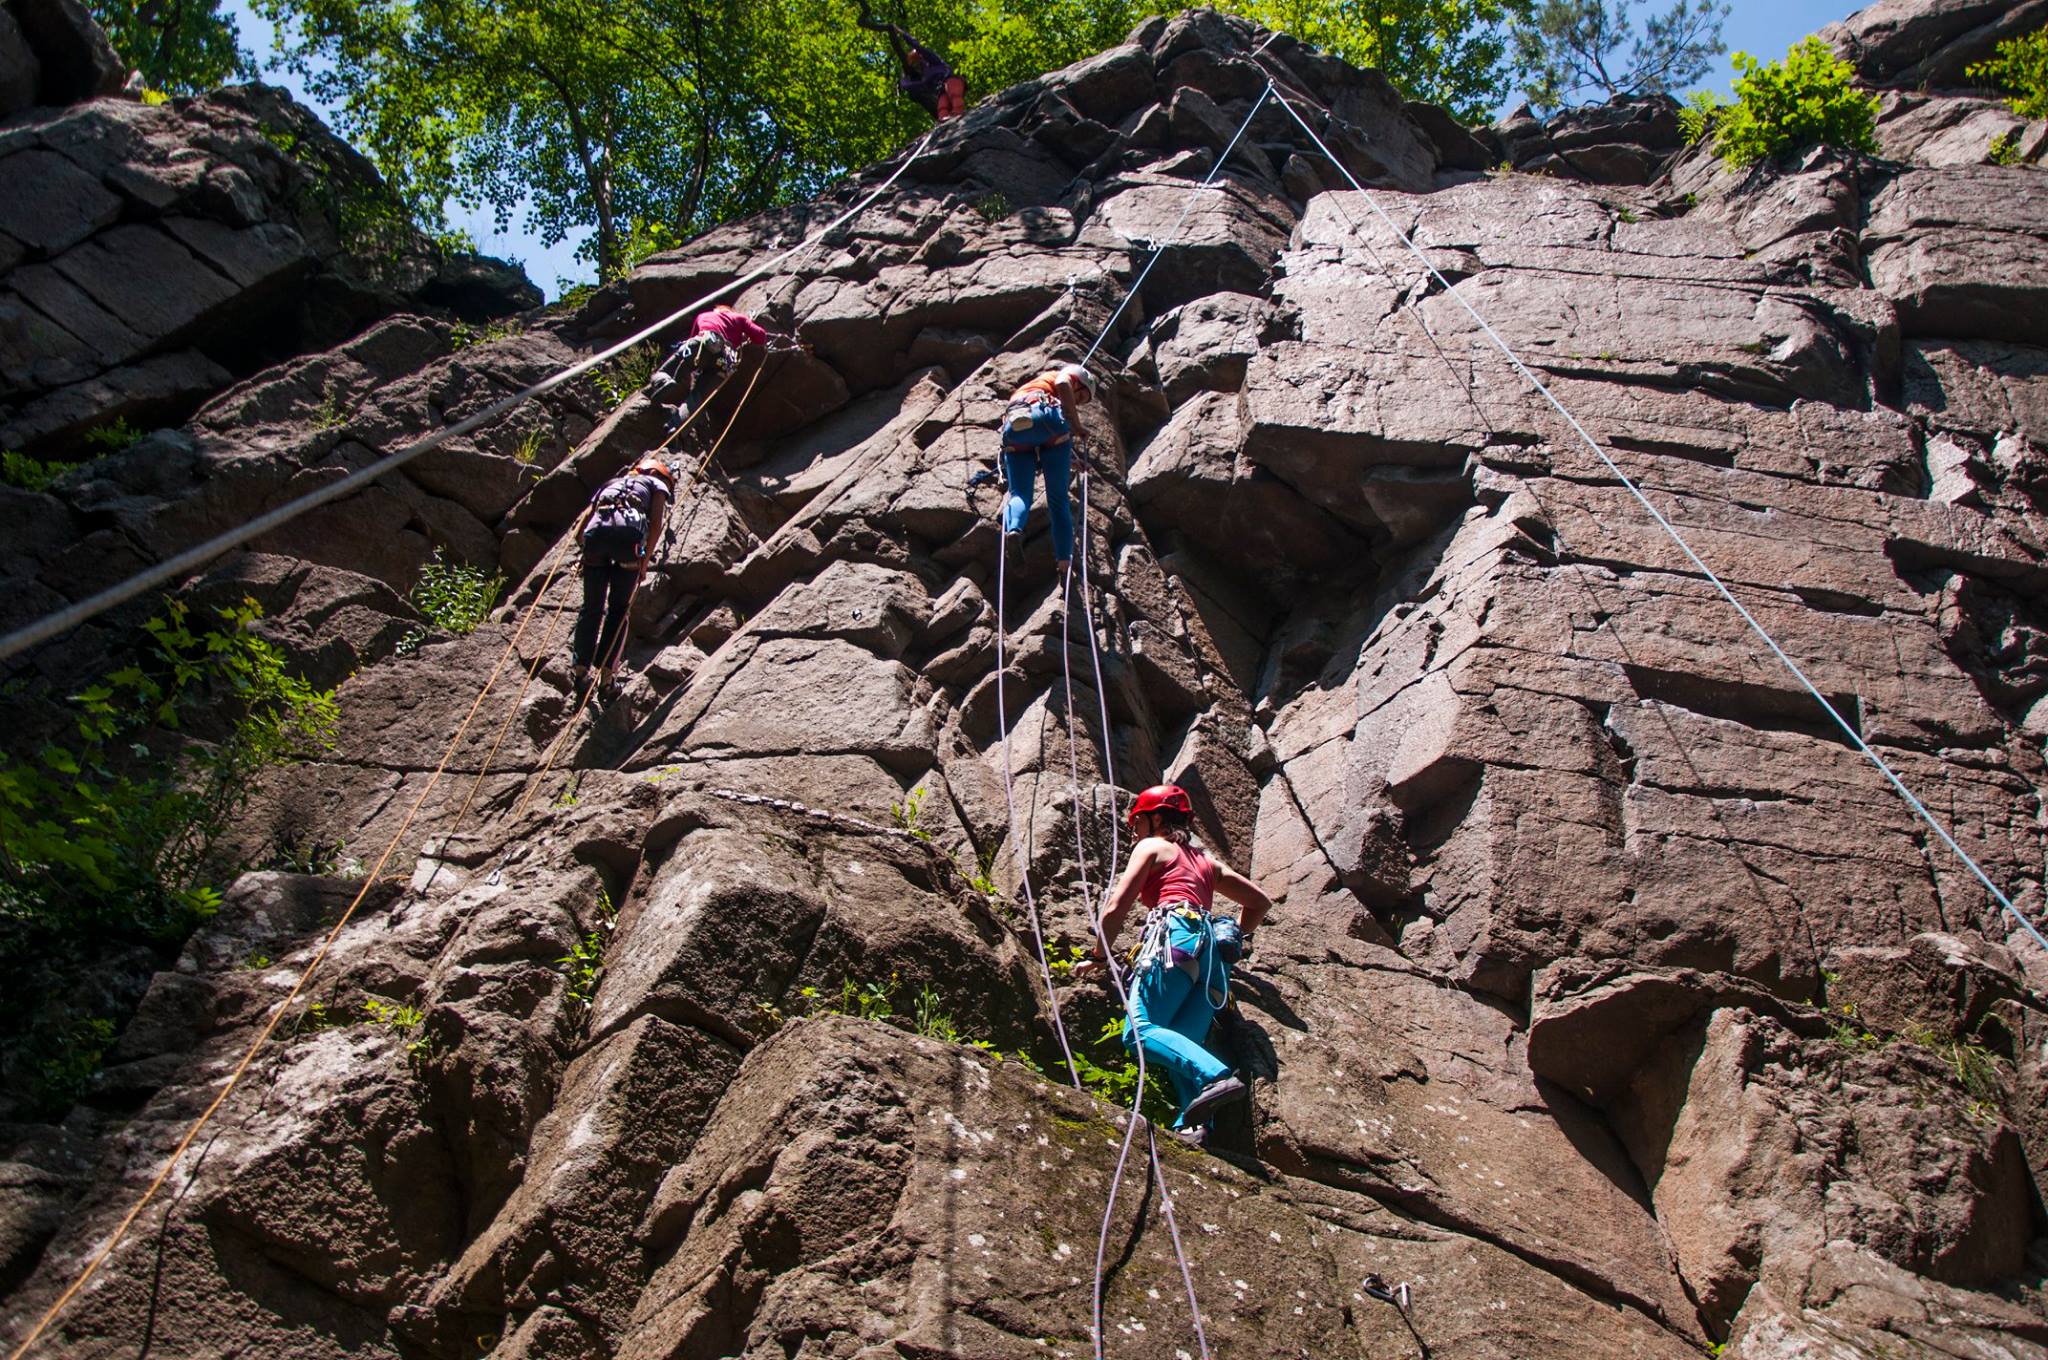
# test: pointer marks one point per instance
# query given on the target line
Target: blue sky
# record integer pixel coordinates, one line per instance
(1763, 28)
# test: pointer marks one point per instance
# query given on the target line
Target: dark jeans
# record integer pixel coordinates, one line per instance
(607, 591)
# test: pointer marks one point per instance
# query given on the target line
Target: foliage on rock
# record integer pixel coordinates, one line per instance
(1803, 100)
(110, 834)
(2020, 68)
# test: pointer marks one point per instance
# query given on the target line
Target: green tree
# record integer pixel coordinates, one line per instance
(634, 118)
(1449, 52)
(1571, 50)
(181, 46)
(1782, 105)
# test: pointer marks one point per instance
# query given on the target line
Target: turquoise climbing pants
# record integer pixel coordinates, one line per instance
(1180, 983)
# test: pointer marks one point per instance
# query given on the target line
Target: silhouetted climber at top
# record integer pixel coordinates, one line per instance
(926, 76)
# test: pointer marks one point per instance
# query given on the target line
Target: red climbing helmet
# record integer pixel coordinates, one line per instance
(655, 467)
(1161, 797)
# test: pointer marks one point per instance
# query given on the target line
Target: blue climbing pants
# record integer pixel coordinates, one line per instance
(1021, 468)
(1173, 1007)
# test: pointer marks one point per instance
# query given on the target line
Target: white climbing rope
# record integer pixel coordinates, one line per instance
(1848, 729)
(1010, 802)
(1017, 849)
(51, 625)
(1159, 248)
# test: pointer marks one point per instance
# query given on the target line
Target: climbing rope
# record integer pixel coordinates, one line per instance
(1671, 530)
(1166, 1195)
(298, 986)
(1017, 849)
(1159, 248)
(197, 556)
(612, 653)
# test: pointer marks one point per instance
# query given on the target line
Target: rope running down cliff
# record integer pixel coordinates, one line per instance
(1009, 797)
(51, 625)
(1848, 729)
(107, 599)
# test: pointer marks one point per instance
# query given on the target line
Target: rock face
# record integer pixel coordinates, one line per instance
(259, 234)
(1612, 999)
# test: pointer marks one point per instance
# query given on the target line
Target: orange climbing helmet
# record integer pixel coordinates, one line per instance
(655, 467)
(1161, 798)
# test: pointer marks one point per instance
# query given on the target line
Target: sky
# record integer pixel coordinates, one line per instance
(1763, 28)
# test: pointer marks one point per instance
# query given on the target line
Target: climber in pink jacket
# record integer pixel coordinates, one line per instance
(717, 343)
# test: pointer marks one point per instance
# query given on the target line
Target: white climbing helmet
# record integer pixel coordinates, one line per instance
(1079, 376)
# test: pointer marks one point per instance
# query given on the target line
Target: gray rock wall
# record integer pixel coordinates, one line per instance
(1612, 998)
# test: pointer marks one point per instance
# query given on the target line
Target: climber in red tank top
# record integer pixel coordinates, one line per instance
(1189, 876)
(1183, 971)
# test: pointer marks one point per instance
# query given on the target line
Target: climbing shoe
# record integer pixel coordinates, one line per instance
(1218, 1092)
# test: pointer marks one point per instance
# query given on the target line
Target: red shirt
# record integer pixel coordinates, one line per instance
(735, 328)
(1190, 876)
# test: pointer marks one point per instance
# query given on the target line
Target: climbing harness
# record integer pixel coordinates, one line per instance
(1671, 530)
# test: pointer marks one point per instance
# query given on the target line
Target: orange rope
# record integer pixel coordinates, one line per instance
(269, 1028)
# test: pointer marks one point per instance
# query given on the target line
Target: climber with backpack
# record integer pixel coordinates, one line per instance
(1180, 975)
(697, 366)
(1038, 440)
(617, 534)
(927, 78)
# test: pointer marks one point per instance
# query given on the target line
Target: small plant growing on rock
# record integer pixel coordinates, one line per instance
(906, 813)
(982, 878)
(528, 448)
(332, 412)
(929, 1018)
(1800, 101)
(30, 474)
(2005, 149)
(1116, 1085)
(455, 597)
(626, 374)
(1846, 1031)
(404, 1021)
(315, 1018)
(462, 335)
(112, 437)
(2020, 68)
(1701, 114)
(582, 965)
(1064, 966)
(993, 206)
